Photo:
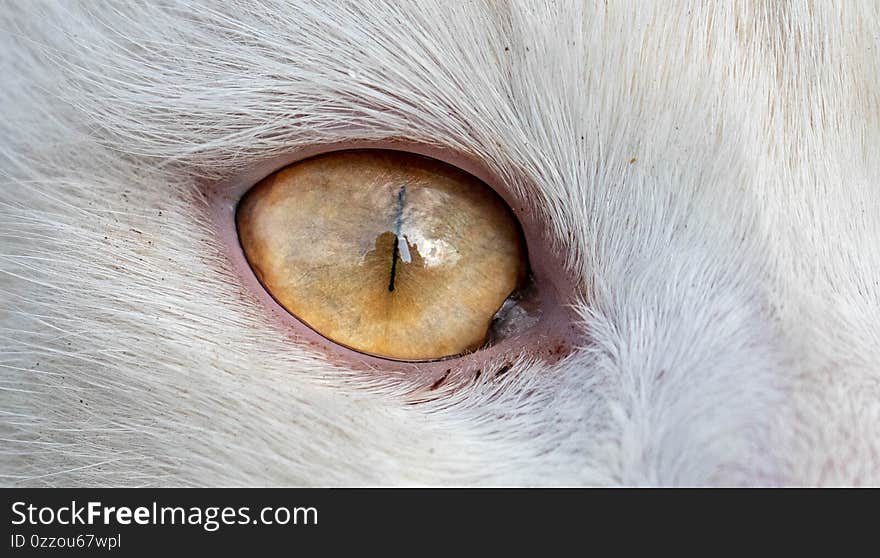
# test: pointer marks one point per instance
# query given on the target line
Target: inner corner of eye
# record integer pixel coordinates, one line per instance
(389, 253)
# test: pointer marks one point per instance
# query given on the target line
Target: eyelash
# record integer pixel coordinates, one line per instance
(549, 339)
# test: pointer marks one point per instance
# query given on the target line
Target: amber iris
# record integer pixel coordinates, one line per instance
(388, 253)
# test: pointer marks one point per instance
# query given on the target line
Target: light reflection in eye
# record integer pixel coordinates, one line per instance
(388, 253)
(434, 251)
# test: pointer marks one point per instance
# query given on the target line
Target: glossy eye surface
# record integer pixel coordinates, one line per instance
(388, 253)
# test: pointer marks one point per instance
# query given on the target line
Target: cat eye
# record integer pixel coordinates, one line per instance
(388, 253)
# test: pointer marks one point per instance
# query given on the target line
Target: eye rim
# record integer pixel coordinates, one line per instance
(549, 340)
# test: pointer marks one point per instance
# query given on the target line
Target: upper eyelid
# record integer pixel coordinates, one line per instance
(238, 179)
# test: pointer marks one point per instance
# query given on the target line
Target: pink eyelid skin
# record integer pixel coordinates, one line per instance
(551, 339)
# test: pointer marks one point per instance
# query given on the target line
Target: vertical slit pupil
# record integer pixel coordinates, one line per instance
(398, 224)
(394, 252)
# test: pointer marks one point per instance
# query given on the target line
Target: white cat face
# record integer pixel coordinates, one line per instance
(699, 186)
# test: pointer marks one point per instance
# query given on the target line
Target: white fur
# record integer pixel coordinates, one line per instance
(710, 173)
